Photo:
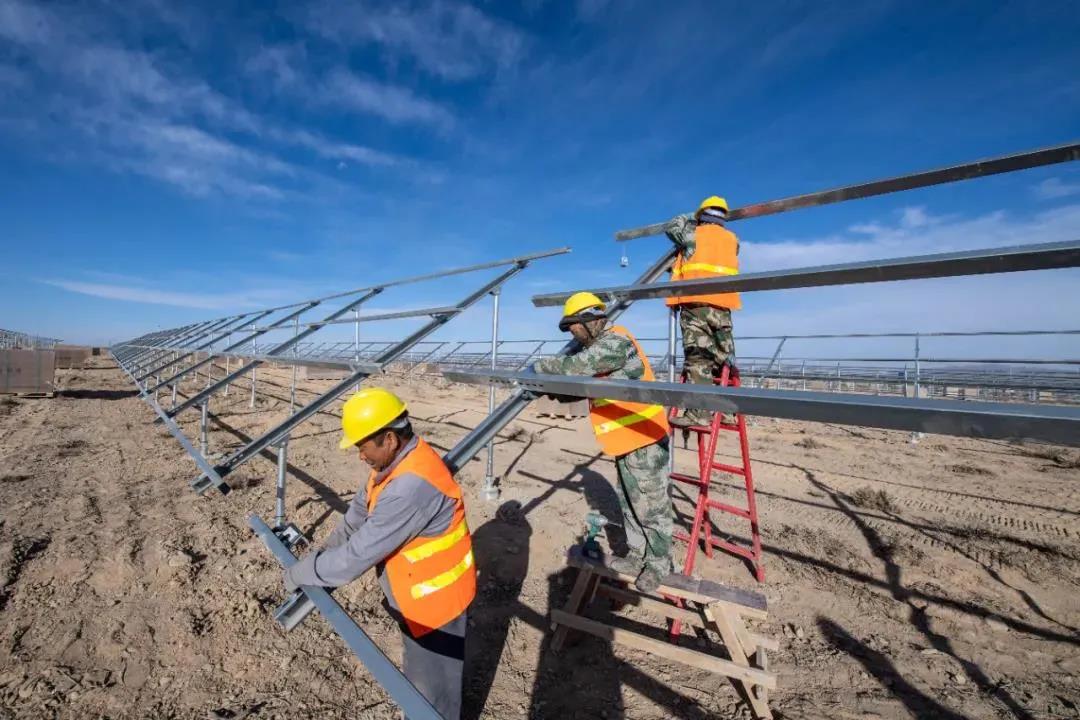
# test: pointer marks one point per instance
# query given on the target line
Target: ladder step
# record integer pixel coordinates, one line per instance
(715, 505)
(734, 470)
(688, 479)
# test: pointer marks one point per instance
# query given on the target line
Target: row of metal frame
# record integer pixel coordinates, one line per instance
(161, 361)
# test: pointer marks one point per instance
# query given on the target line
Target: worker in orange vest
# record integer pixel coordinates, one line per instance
(408, 522)
(706, 249)
(635, 434)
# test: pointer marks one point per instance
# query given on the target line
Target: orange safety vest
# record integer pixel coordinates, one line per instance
(715, 254)
(622, 426)
(433, 578)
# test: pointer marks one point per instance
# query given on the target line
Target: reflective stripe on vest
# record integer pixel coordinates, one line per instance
(703, 267)
(630, 419)
(437, 545)
(443, 579)
(622, 426)
(432, 579)
(715, 254)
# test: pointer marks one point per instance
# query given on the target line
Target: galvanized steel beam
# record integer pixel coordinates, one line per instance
(1048, 423)
(980, 168)
(396, 685)
(1016, 258)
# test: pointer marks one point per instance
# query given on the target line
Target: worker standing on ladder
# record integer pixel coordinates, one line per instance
(408, 522)
(635, 434)
(706, 249)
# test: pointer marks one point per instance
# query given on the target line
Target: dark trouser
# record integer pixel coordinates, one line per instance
(434, 663)
(645, 500)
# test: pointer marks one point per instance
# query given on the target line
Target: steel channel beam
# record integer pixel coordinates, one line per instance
(927, 178)
(170, 346)
(423, 312)
(270, 437)
(1005, 421)
(396, 685)
(239, 343)
(1016, 258)
(477, 438)
(175, 430)
(217, 335)
(180, 339)
(279, 348)
(156, 342)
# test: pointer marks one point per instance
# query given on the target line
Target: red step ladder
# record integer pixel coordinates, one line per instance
(707, 465)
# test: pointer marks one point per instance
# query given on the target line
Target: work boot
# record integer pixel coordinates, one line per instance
(648, 580)
(629, 565)
(691, 418)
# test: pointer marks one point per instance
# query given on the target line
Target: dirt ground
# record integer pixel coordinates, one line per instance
(930, 580)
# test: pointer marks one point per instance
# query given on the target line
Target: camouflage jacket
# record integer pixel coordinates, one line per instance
(680, 230)
(611, 355)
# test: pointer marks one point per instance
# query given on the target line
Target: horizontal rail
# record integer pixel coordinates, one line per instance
(1016, 258)
(1048, 423)
(980, 168)
(422, 312)
(396, 685)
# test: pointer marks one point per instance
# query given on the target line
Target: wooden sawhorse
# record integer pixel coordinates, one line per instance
(709, 606)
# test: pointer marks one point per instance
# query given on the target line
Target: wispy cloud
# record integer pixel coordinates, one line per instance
(1054, 188)
(151, 114)
(914, 231)
(450, 40)
(127, 293)
(394, 103)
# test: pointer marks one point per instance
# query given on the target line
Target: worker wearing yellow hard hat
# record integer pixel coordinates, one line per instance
(706, 249)
(635, 434)
(407, 521)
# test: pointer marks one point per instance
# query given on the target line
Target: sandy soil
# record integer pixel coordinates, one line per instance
(938, 579)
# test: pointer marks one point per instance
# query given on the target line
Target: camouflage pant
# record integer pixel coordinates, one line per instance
(707, 341)
(645, 500)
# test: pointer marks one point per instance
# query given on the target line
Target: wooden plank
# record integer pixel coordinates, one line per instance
(724, 621)
(665, 650)
(658, 607)
(750, 604)
(574, 605)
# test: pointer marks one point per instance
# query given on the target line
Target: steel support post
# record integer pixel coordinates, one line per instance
(282, 465)
(204, 440)
(478, 437)
(271, 436)
(254, 380)
(490, 489)
(356, 341)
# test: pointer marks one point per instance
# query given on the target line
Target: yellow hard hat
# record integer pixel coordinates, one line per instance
(713, 201)
(366, 413)
(582, 301)
(577, 304)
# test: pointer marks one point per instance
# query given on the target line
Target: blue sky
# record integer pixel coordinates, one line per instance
(165, 162)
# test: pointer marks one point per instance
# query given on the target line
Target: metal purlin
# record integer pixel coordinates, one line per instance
(214, 335)
(202, 483)
(281, 538)
(468, 446)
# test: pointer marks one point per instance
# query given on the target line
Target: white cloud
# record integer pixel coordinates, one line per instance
(223, 301)
(147, 113)
(450, 40)
(337, 151)
(391, 102)
(1054, 188)
(915, 233)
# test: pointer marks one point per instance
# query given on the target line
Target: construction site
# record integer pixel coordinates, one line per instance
(877, 536)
